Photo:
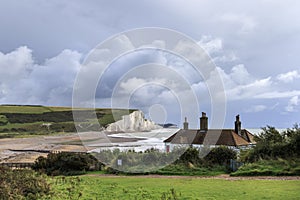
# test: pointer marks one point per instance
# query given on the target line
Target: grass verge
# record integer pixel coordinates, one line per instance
(279, 167)
(183, 170)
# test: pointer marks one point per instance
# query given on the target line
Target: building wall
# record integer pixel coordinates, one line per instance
(169, 146)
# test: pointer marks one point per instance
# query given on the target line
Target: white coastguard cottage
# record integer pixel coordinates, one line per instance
(236, 138)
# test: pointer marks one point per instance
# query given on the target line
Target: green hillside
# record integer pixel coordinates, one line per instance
(33, 120)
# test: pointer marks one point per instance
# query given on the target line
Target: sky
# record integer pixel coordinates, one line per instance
(255, 47)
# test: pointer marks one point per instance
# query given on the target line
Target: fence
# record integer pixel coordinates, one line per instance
(234, 165)
(17, 165)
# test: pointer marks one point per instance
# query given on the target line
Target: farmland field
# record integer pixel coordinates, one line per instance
(131, 187)
(18, 120)
(31, 109)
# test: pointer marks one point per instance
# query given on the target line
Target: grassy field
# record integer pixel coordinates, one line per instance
(100, 187)
(18, 120)
(33, 109)
(23, 109)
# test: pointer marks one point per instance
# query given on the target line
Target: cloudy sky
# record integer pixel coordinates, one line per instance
(255, 46)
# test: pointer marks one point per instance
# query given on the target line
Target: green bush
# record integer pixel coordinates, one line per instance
(272, 145)
(22, 184)
(66, 163)
(3, 120)
(179, 161)
(220, 155)
(191, 155)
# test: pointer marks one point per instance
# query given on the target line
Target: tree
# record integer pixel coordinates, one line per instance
(269, 136)
(293, 138)
(272, 145)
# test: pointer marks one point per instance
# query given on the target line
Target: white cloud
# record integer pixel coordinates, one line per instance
(210, 44)
(16, 64)
(214, 47)
(277, 94)
(159, 44)
(293, 102)
(246, 23)
(225, 57)
(132, 84)
(250, 90)
(256, 108)
(239, 84)
(23, 81)
(289, 76)
(52, 81)
(240, 75)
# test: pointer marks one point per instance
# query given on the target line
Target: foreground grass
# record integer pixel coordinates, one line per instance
(101, 187)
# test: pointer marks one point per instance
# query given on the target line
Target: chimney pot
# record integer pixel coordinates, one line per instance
(238, 125)
(185, 124)
(204, 122)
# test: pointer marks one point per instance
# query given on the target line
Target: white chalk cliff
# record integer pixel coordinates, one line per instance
(133, 122)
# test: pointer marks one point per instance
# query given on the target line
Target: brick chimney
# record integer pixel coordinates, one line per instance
(185, 124)
(203, 122)
(237, 125)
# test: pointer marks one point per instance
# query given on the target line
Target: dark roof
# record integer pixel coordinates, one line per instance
(226, 137)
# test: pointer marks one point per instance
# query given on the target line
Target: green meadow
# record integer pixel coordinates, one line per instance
(25, 120)
(132, 187)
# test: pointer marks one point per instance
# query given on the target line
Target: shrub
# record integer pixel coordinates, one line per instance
(66, 163)
(3, 120)
(22, 184)
(272, 145)
(185, 161)
(220, 155)
(191, 155)
(279, 167)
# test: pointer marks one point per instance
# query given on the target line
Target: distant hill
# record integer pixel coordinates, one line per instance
(37, 119)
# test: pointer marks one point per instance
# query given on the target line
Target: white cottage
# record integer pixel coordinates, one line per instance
(236, 138)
